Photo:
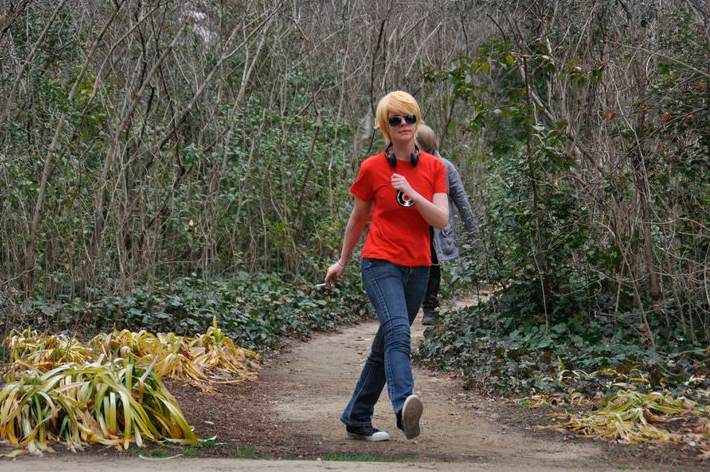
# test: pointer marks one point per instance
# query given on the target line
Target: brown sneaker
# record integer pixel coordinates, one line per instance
(411, 412)
(428, 318)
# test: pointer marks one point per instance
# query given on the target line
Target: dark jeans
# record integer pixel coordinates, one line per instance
(396, 293)
(431, 298)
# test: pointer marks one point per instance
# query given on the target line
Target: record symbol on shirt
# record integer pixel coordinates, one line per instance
(404, 199)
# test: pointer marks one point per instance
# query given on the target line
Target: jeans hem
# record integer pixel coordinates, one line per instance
(356, 424)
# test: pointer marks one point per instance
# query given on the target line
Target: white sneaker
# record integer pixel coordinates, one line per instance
(411, 412)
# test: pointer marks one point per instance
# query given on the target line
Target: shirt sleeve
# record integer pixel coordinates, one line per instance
(362, 187)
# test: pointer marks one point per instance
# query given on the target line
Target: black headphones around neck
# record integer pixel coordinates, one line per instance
(392, 159)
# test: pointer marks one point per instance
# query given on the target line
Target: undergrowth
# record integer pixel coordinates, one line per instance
(501, 354)
(256, 311)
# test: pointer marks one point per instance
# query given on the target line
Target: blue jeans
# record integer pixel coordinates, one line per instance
(396, 292)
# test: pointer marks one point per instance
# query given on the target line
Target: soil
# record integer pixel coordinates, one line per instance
(291, 411)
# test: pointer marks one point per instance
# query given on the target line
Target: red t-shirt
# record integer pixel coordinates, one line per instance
(398, 233)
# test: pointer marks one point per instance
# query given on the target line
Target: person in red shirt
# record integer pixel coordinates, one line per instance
(400, 192)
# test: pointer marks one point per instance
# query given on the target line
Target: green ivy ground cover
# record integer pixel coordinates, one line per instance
(256, 311)
(504, 354)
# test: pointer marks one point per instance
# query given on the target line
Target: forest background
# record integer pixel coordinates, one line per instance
(164, 162)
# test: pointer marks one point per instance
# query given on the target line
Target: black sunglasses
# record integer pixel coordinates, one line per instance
(397, 120)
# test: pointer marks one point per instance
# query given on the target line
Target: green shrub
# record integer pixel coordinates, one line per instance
(254, 310)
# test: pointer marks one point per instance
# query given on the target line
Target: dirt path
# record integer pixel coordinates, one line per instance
(311, 387)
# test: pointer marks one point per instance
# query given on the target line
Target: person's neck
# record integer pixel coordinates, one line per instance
(403, 151)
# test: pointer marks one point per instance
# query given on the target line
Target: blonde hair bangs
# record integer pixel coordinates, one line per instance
(399, 103)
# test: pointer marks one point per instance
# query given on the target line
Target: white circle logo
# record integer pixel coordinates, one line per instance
(404, 199)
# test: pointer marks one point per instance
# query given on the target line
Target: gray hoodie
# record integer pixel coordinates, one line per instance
(445, 240)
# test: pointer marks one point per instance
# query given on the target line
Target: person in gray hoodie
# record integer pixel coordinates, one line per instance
(443, 242)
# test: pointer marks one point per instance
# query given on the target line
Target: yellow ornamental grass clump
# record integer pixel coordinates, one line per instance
(208, 358)
(217, 352)
(109, 391)
(121, 344)
(203, 359)
(633, 417)
(44, 352)
(176, 361)
(112, 404)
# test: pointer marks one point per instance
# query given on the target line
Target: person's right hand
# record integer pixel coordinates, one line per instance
(334, 274)
(399, 182)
